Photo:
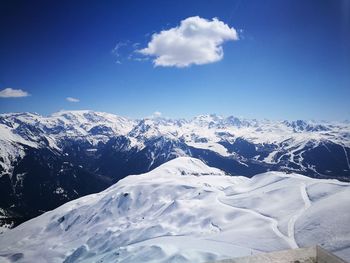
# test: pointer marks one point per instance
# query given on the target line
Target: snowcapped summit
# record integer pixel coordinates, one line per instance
(87, 119)
(207, 120)
(187, 166)
(46, 161)
(166, 216)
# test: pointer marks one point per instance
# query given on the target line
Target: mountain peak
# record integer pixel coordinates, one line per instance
(163, 216)
(187, 166)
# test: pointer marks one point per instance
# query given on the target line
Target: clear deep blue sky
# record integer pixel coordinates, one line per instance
(292, 61)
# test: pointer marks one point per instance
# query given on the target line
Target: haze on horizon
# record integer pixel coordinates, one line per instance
(271, 59)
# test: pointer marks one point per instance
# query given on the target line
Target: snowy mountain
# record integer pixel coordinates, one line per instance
(47, 161)
(186, 211)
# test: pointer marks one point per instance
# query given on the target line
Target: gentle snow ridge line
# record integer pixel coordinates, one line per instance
(149, 217)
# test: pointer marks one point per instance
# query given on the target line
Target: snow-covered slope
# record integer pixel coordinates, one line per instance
(18, 130)
(185, 211)
(47, 161)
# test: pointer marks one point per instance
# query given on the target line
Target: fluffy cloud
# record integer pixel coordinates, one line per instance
(70, 99)
(196, 41)
(13, 93)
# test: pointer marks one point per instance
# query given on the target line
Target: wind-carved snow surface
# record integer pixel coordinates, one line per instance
(185, 211)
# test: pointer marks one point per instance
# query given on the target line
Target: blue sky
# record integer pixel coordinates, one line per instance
(292, 59)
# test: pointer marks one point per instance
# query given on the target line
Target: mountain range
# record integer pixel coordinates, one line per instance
(48, 161)
(185, 211)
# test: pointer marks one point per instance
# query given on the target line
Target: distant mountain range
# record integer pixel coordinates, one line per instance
(47, 161)
(185, 211)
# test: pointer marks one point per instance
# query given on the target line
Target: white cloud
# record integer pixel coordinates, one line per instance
(157, 114)
(70, 99)
(196, 41)
(13, 93)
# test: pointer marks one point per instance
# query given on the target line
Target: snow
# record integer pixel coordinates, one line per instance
(11, 148)
(185, 211)
(215, 147)
(214, 129)
(19, 130)
(203, 132)
(271, 157)
(59, 190)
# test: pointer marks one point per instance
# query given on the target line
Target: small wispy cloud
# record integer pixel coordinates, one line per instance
(135, 45)
(138, 59)
(195, 41)
(71, 99)
(13, 93)
(154, 115)
(127, 51)
(157, 114)
(117, 47)
(117, 50)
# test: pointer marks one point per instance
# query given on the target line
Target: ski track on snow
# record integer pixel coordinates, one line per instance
(294, 218)
(204, 198)
(290, 238)
(273, 222)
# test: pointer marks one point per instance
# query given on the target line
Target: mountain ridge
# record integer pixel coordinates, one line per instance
(47, 161)
(201, 215)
